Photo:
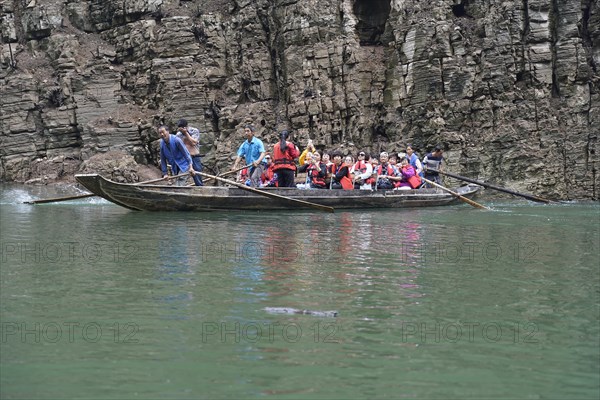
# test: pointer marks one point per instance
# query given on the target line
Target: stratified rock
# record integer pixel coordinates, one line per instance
(119, 167)
(510, 88)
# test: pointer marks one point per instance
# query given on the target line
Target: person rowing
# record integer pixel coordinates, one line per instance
(253, 150)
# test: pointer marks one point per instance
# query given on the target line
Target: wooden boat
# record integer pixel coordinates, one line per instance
(221, 198)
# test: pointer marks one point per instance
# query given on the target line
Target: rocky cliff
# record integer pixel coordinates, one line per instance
(510, 88)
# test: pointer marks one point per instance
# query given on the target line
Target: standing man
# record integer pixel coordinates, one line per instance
(174, 152)
(433, 163)
(191, 139)
(253, 151)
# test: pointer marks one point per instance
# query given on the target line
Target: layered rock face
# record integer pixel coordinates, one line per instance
(510, 88)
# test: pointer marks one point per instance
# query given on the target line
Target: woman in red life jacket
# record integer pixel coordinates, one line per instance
(362, 170)
(341, 177)
(410, 178)
(284, 154)
(269, 177)
(316, 171)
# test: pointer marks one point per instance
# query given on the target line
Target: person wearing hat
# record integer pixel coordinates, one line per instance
(191, 139)
(432, 163)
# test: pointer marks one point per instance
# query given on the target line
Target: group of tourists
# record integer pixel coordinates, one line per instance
(332, 171)
(279, 167)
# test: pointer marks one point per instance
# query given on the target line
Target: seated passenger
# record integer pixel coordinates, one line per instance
(393, 160)
(362, 170)
(243, 176)
(325, 159)
(374, 163)
(386, 173)
(268, 177)
(316, 172)
(305, 155)
(409, 177)
(341, 177)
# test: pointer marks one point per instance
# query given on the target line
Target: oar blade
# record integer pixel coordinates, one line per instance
(460, 197)
(58, 199)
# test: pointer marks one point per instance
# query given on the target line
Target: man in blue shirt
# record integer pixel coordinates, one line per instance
(174, 152)
(253, 151)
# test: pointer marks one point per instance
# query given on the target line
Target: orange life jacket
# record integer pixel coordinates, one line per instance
(346, 181)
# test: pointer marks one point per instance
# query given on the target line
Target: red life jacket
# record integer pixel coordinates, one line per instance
(285, 159)
(243, 175)
(346, 181)
(267, 176)
(414, 181)
(313, 172)
(389, 172)
(361, 167)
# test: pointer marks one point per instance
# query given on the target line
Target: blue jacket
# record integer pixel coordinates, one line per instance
(175, 154)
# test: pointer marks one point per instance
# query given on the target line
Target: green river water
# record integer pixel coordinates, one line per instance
(98, 302)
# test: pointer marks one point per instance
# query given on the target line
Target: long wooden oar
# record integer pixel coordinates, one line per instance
(501, 189)
(233, 171)
(82, 196)
(267, 193)
(462, 198)
(57, 199)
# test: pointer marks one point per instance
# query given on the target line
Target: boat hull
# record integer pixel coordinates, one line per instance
(213, 198)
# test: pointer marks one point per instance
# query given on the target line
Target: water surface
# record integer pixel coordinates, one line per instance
(452, 302)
